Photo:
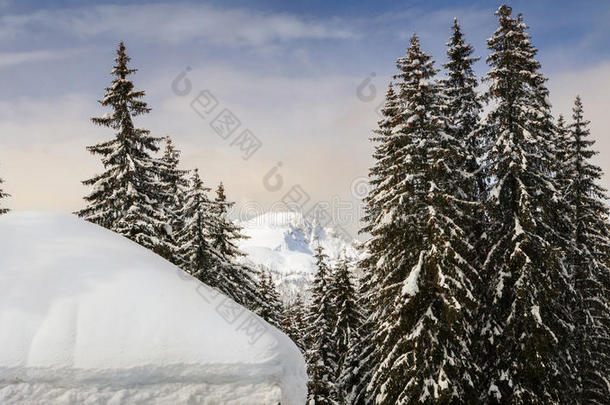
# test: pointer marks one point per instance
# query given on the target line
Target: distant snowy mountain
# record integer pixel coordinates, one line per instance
(90, 317)
(284, 243)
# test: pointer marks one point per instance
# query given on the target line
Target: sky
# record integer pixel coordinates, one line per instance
(304, 78)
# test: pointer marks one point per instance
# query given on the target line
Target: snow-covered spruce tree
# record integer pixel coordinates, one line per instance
(294, 322)
(348, 317)
(563, 221)
(590, 264)
(384, 177)
(360, 360)
(126, 196)
(462, 107)
(235, 279)
(270, 307)
(173, 186)
(2, 195)
(525, 324)
(321, 351)
(425, 337)
(224, 232)
(199, 257)
(196, 255)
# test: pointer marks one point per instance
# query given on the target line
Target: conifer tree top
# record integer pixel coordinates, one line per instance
(170, 153)
(121, 95)
(416, 63)
(459, 54)
(197, 183)
(577, 111)
(220, 193)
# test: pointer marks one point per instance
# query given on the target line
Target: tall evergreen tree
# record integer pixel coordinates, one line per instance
(174, 183)
(462, 106)
(270, 307)
(431, 268)
(3, 195)
(321, 354)
(462, 109)
(591, 271)
(196, 255)
(235, 279)
(384, 178)
(525, 322)
(562, 218)
(348, 318)
(126, 196)
(294, 322)
(361, 357)
(224, 232)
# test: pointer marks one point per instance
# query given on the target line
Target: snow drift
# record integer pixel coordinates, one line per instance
(87, 316)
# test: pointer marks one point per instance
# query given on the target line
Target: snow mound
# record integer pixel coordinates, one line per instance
(284, 243)
(87, 316)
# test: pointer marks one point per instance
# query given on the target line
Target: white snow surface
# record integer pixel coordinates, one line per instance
(89, 317)
(284, 243)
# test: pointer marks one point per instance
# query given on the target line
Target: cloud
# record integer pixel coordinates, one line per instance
(17, 58)
(174, 23)
(435, 25)
(308, 123)
(43, 157)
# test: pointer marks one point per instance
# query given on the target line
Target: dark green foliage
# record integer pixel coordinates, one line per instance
(346, 332)
(462, 108)
(270, 307)
(590, 263)
(348, 316)
(196, 255)
(525, 322)
(321, 349)
(294, 322)
(224, 232)
(360, 360)
(173, 183)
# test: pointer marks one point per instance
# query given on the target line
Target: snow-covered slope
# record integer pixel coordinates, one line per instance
(284, 243)
(87, 316)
